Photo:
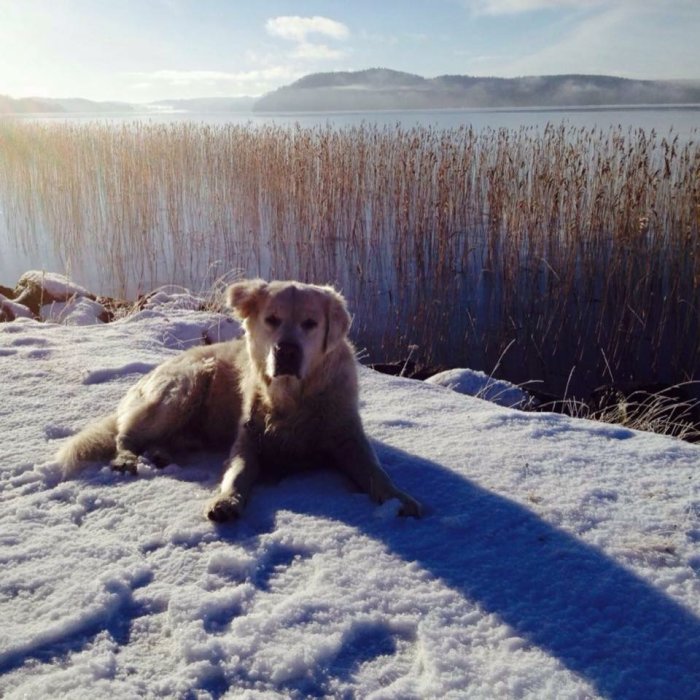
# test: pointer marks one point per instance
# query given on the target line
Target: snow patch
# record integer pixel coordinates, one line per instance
(481, 385)
(76, 311)
(107, 374)
(56, 285)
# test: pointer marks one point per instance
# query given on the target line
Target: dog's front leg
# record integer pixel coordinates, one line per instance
(357, 459)
(240, 473)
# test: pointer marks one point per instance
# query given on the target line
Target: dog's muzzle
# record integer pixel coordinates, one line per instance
(287, 358)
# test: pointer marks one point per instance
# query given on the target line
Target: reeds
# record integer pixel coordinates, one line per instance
(668, 411)
(580, 247)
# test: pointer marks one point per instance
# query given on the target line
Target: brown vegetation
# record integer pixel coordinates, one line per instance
(580, 247)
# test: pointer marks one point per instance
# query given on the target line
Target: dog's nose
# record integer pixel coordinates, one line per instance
(287, 358)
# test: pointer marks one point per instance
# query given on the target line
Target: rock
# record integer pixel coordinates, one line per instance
(10, 310)
(37, 288)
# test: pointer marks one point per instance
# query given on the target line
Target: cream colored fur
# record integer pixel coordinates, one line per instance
(279, 413)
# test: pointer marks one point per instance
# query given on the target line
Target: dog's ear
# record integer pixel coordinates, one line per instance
(246, 297)
(337, 318)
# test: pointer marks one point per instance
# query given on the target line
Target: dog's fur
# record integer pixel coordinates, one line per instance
(285, 397)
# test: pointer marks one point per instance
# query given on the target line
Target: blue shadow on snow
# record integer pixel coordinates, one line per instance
(603, 622)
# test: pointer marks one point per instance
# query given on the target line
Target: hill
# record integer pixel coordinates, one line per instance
(381, 88)
(43, 105)
(385, 89)
(25, 105)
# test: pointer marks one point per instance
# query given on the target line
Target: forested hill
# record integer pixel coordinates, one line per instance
(38, 105)
(380, 88)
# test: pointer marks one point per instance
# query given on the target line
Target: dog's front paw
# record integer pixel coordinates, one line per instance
(223, 509)
(159, 457)
(125, 462)
(410, 507)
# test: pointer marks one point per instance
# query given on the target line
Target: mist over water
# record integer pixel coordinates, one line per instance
(682, 119)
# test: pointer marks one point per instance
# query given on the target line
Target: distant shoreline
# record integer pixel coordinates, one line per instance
(137, 114)
(383, 89)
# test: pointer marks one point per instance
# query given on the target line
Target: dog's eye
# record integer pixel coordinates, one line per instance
(309, 324)
(273, 321)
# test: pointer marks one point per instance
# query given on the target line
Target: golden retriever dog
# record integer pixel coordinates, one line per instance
(285, 397)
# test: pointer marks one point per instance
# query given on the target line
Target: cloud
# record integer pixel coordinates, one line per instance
(314, 52)
(515, 7)
(510, 7)
(251, 82)
(618, 40)
(298, 28)
(187, 77)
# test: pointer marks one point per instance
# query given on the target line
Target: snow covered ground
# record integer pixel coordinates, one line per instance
(558, 558)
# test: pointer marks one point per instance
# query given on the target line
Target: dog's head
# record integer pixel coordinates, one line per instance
(289, 326)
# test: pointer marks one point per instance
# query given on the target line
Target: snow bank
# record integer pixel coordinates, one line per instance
(479, 384)
(57, 287)
(76, 311)
(558, 557)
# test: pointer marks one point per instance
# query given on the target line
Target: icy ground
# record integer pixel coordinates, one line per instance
(558, 558)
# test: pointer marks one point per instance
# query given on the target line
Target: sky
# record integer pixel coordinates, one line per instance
(146, 50)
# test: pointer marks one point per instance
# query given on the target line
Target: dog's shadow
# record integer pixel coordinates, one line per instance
(569, 598)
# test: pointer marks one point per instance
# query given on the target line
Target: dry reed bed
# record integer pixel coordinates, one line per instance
(571, 248)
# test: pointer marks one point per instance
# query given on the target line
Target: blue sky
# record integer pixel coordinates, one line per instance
(142, 50)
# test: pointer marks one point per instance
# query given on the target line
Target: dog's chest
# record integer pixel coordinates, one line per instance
(288, 443)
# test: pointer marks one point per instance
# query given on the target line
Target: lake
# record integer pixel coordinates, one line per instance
(683, 119)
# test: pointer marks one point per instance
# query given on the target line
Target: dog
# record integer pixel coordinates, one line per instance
(285, 396)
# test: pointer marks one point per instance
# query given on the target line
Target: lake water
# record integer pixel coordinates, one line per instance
(682, 119)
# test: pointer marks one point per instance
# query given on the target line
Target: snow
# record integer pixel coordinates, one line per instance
(54, 284)
(475, 383)
(557, 558)
(76, 311)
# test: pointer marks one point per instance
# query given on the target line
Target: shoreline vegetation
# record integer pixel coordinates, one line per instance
(564, 259)
(667, 410)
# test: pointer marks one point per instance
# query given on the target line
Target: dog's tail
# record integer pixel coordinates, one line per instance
(95, 442)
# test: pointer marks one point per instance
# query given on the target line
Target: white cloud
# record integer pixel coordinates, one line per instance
(188, 77)
(509, 7)
(298, 28)
(314, 52)
(616, 41)
(513, 7)
(378, 38)
(182, 77)
(251, 82)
